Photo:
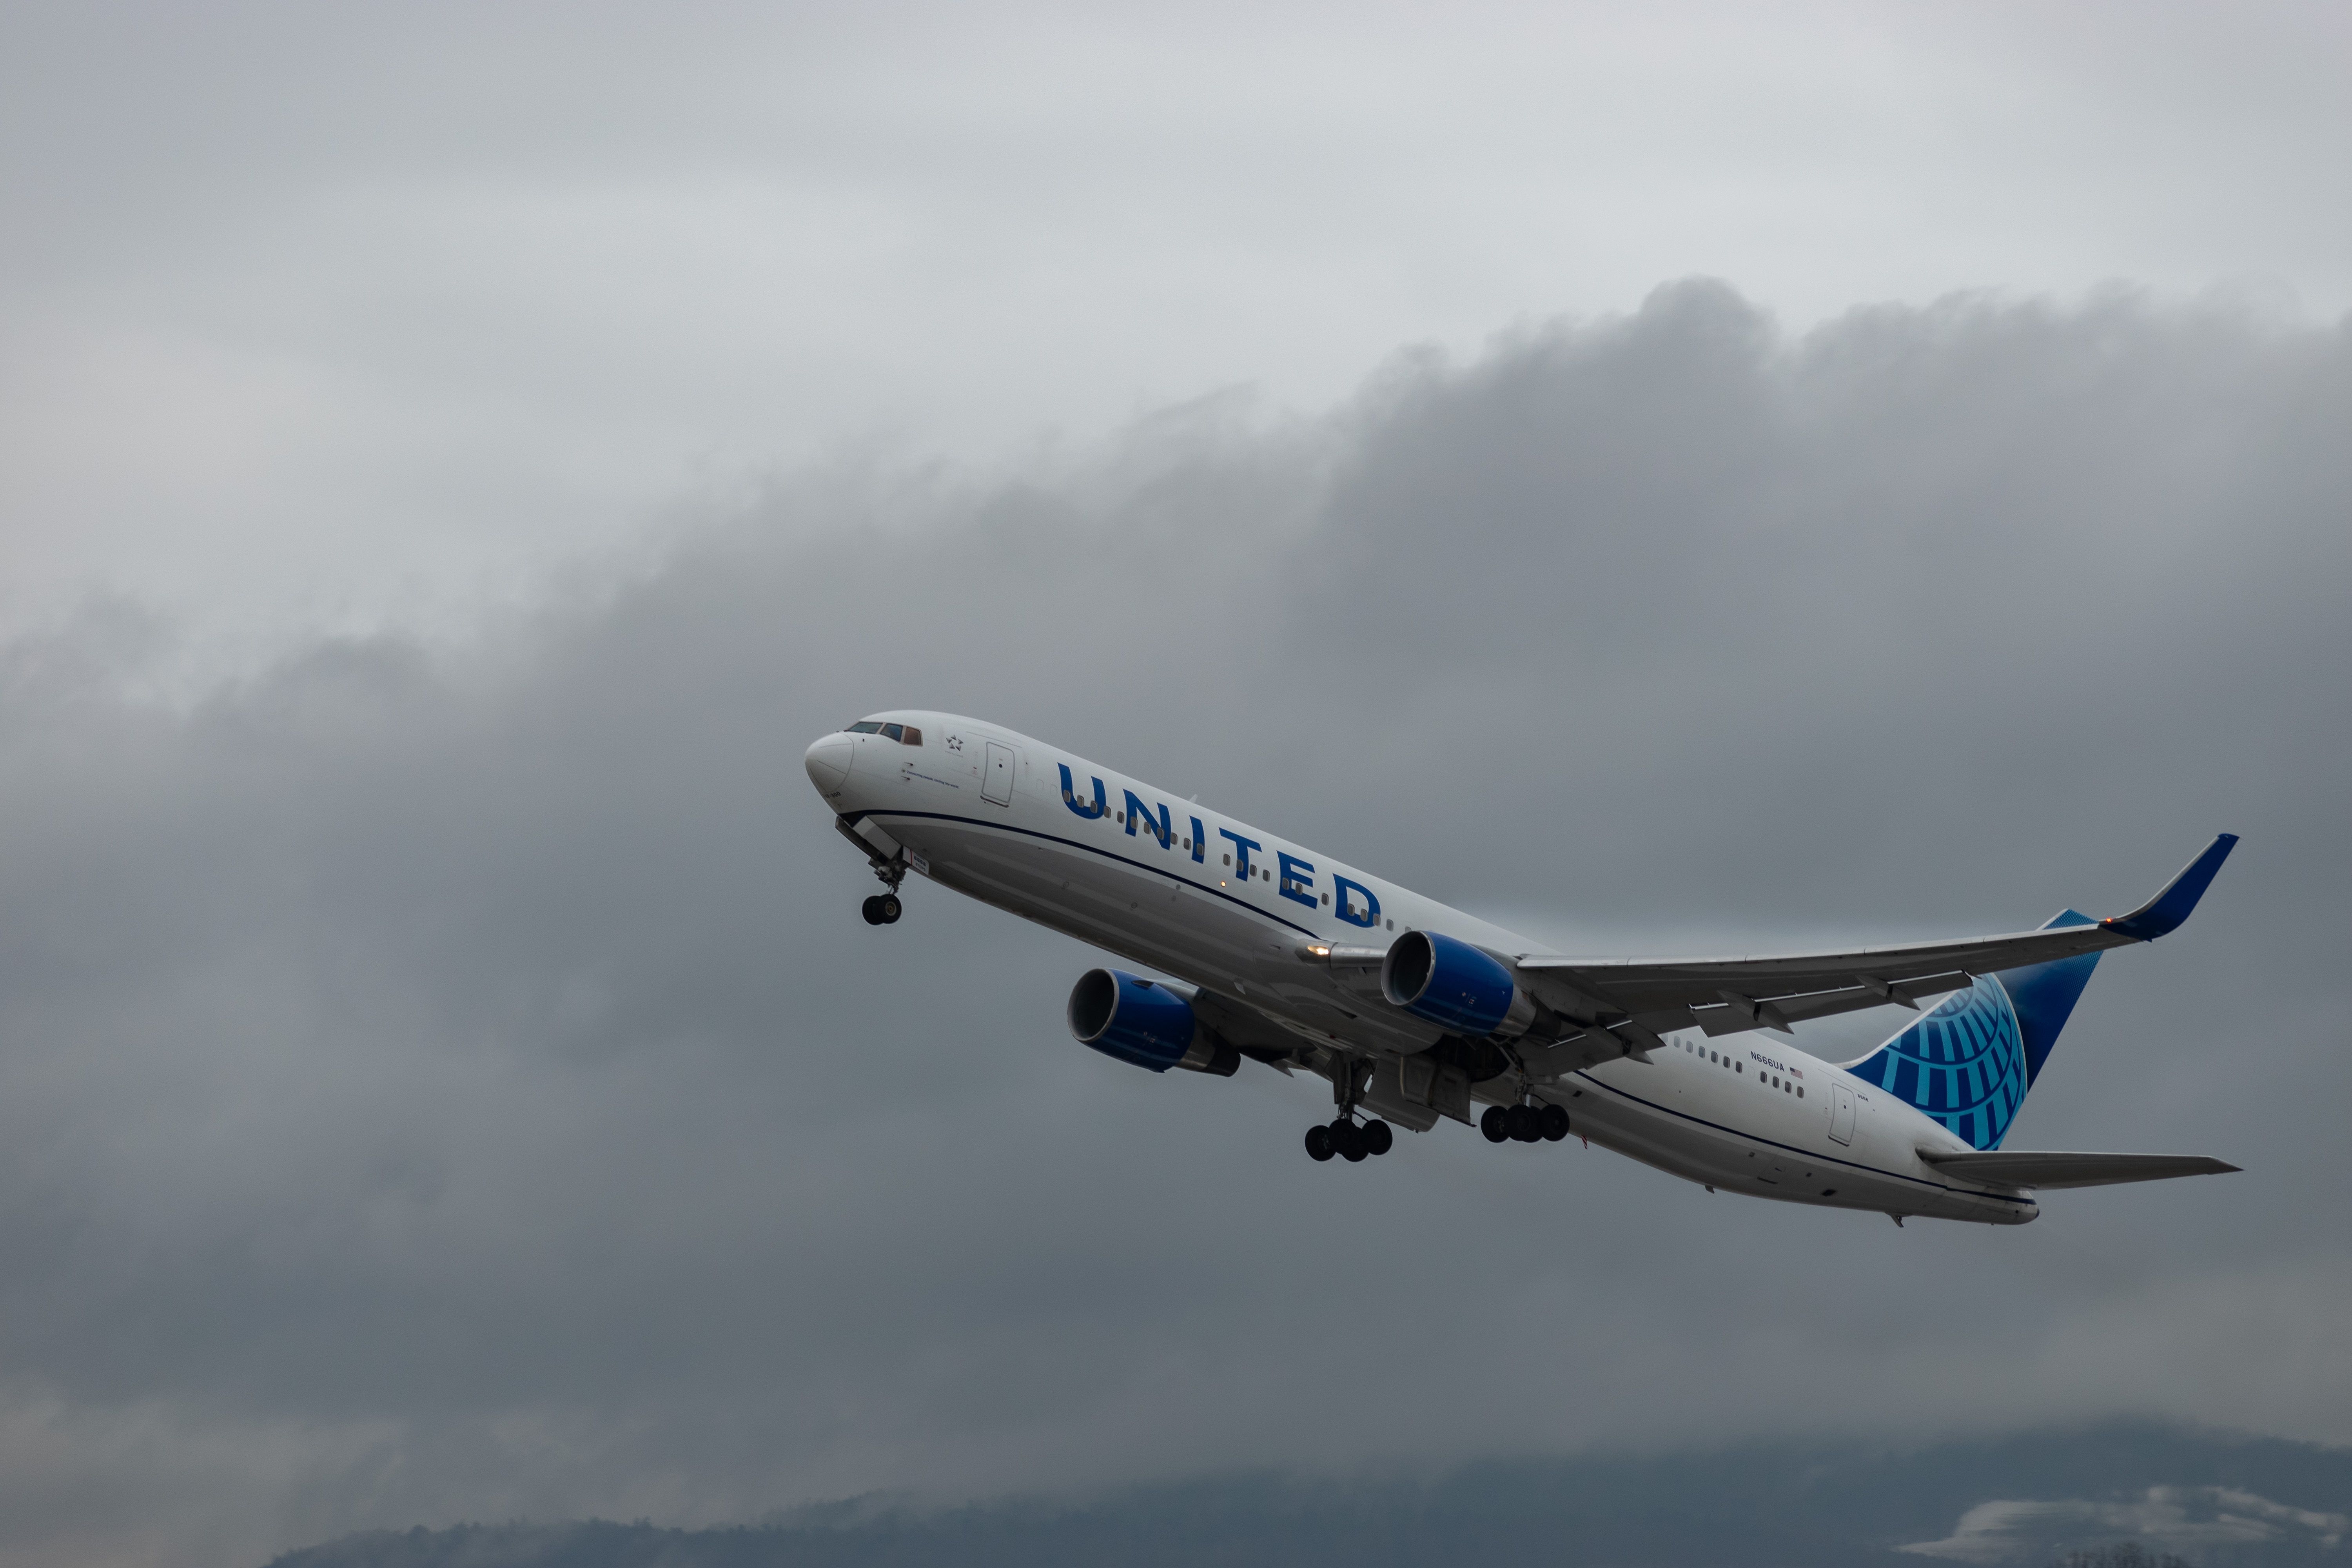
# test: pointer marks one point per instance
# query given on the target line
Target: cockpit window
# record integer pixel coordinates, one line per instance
(913, 736)
(869, 728)
(905, 734)
(895, 732)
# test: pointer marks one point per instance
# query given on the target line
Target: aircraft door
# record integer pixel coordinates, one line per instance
(996, 783)
(1842, 1115)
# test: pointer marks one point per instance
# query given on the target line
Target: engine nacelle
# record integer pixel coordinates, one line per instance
(1143, 1023)
(1453, 985)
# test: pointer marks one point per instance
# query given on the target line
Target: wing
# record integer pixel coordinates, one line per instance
(2020, 1169)
(1645, 998)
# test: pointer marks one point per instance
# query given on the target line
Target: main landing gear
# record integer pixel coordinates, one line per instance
(1524, 1123)
(1349, 1141)
(1343, 1137)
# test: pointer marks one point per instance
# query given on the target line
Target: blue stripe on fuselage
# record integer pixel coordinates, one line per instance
(854, 817)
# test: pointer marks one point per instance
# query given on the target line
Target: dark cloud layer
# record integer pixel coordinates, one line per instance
(445, 1083)
(2012, 1503)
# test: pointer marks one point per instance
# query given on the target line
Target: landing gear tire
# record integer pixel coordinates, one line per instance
(1523, 1124)
(1495, 1124)
(889, 908)
(1555, 1122)
(1378, 1138)
(1348, 1141)
(1318, 1143)
(872, 910)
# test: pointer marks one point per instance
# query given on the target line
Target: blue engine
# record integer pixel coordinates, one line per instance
(1143, 1023)
(1453, 985)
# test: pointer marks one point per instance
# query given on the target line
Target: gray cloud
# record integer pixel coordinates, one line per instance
(445, 1081)
(313, 318)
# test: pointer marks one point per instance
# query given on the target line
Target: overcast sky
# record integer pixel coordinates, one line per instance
(451, 464)
(359, 316)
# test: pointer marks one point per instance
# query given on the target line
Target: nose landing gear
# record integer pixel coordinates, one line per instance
(884, 909)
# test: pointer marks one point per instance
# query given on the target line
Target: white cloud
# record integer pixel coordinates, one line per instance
(2177, 1518)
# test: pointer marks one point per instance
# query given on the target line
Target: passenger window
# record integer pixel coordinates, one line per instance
(1228, 859)
(1740, 1067)
(1801, 1091)
(913, 736)
(866, 727)
(893, 732)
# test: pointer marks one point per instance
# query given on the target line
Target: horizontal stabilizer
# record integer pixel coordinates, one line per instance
(2019, 1168)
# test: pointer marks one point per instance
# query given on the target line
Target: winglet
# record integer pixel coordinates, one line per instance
(2166, 912)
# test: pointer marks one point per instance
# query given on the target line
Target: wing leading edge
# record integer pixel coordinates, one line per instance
(1728, 996)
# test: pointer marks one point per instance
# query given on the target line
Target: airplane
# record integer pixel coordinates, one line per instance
(1415, 1014)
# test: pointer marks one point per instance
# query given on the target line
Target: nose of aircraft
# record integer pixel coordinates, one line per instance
(828, 764)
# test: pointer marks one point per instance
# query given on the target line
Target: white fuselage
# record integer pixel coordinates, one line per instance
(1231, 909)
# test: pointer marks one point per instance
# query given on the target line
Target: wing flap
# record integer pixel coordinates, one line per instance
(1590, 1048)
(2021, 1168)
(1771, 1012)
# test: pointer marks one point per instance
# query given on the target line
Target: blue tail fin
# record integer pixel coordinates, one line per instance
(1970, 1063)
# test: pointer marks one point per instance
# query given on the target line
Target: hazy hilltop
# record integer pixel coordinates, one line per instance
(2114, 1496)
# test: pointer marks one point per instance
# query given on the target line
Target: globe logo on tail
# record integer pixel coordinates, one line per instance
(1963, 1064)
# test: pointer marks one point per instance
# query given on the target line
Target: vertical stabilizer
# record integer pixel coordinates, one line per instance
(2044, 996)
(1969, 1062)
